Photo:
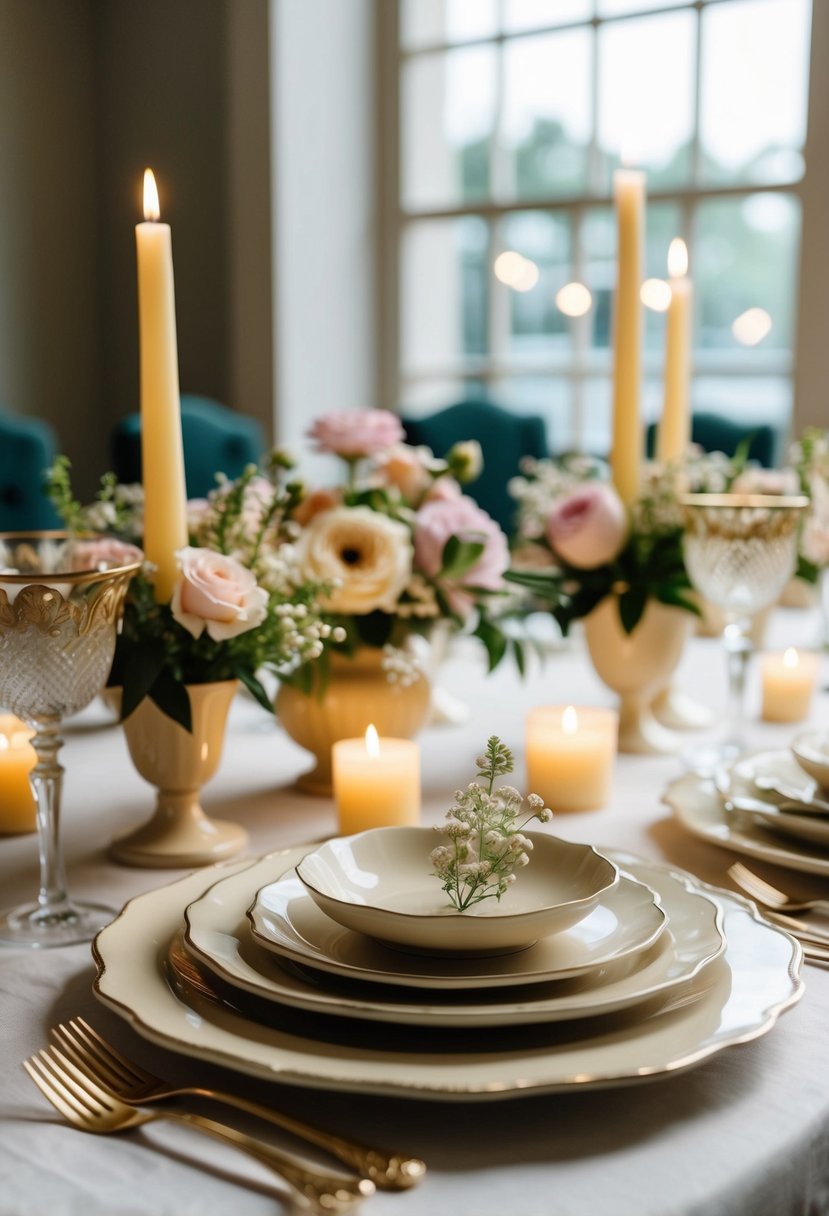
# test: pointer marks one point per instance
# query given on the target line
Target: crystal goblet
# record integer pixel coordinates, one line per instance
(740, 551)
(59, 609)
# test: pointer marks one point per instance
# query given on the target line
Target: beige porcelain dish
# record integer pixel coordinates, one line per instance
(286, 921)
(745, 991)
(745, 801)
(380, 883)
(811, 751)
(219, 936)
(697, 805)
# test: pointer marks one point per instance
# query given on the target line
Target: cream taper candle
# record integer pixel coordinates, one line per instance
(626, 449)
(162, 453)
(674, 426)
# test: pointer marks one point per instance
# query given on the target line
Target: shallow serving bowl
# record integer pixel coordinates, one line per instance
(811, 751)
(380, 883)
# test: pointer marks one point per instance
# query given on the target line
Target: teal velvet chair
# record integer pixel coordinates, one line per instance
(216, 440)
(504, 438)
(28, 447)
(714, 433)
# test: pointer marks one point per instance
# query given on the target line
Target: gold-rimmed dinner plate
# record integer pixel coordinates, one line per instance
(285, 920)
(747, 989)
(219, 935)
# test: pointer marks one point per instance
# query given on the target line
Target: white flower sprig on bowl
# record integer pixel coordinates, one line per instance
(486, 844)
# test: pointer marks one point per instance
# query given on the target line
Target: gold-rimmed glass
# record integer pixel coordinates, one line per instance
(58, 621)
(740, 551)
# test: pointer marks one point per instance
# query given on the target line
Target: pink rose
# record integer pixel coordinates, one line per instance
(444, 489)
(354, 433)
(103, 553)
(440, 518)
(216, 593)
(589, 527)
(404, 468)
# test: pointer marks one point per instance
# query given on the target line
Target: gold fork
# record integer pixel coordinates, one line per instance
(135, 1086)
(764, 893)
(85, 1105)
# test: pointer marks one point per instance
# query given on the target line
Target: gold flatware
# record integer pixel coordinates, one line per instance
(798, 928)
(764, 893)
(85, 1105)
(135, 1086)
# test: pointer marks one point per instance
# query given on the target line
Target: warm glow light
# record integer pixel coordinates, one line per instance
(152, 211)
(515, 271)
(677, 258)
(574, 299)
(790, 657)
(372, 741)
(656, 295)
(570, 720)
(752, 326)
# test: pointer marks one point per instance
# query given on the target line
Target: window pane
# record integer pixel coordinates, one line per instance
(545, 124)
(445, 282)
(599, 259)
(423, 397)
(663, 224)
(646, 95)
(536, 14)
(447, 117)
(594, 420)
(549, 396)
(753, 400)
(430, 22)
(746, 259)
(538, 331)
(755, 71)
(614, 8)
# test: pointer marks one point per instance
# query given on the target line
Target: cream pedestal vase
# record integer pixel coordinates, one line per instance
(637, 666)
(179, 763)
(358, 694)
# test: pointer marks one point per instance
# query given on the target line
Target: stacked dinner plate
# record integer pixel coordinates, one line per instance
(771, 804)
(241, 965)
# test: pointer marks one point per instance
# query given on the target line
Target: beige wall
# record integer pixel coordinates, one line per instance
(91, 91)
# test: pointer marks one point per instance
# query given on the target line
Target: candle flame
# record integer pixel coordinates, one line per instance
(570, 720)
(152, 211)
(656, 295)
(372, 741)
(4, 743)
(677, 258)
(790, 657)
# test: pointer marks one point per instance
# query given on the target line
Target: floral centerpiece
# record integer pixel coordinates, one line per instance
(398, 544)
(239, 605)
(590, 546)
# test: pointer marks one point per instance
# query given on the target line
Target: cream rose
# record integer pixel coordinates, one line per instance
(216, 593)
(368, 554)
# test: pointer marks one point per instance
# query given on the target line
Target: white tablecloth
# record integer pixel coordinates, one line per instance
(745, 1133)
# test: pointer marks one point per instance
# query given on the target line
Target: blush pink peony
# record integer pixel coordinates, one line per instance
(440, 518)
(355, 433)
(216, 593)
(589, 527)
(404, 468)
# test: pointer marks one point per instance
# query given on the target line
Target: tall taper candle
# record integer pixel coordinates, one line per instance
(674, 426)
(162, 455)
(626, 451)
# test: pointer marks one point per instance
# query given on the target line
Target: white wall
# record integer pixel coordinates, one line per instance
(323, 209)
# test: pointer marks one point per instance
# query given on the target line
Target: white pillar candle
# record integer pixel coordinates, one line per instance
(17, 759)
(626, 449)
(162, 454)
(674, 426)
(570, 754)
(788, 682)
(376, 782)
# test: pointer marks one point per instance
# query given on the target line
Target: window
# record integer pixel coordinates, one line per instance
(512, 118)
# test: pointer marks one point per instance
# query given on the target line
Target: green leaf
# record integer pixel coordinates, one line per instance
(254, 687)
(173, 700)
(807, 570)
(141, 667)
(494, 641)
(631, 607)
(459, 557)
(519, 655)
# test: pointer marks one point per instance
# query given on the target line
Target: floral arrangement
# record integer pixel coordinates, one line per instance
(592, 546)
(239, 604)
(398, 544)
(486, 843)
(809, 457)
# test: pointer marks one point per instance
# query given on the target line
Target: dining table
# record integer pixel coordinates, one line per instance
(744, 1132)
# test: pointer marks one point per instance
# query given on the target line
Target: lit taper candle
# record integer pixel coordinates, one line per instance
(674, 427)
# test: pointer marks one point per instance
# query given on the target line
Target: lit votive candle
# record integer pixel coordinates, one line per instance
(17, 759)
(376, 782)
(788, 681)
(570, 754)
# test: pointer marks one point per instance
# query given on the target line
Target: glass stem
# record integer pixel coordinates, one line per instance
(738, 649)
(47, 782)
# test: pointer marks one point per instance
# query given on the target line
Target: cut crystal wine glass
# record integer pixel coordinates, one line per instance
(740, 551)
(58, 621)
